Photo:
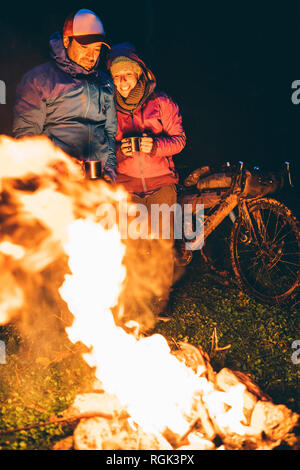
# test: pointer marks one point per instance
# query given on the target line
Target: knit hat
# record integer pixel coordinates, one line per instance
(85, 26)
(122, 62)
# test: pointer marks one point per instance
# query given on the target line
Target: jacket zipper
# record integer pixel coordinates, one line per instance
(85, 116)
(140, 160)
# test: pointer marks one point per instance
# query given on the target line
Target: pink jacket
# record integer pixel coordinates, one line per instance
(159, 117)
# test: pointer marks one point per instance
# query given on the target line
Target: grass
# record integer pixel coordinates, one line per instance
(260, 336)
(34, 388)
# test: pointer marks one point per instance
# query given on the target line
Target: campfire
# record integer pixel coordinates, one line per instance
(148, 393)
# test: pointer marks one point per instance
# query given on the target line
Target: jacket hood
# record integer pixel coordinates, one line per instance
(59, 54)
(126, 49)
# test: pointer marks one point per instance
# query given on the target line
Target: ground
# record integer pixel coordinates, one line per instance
(204, 306)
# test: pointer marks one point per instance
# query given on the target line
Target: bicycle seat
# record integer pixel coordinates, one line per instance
(194, 177)
(215, 181)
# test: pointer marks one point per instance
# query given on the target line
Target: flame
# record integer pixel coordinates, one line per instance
(157, 389)
(132, 369)
(49, 211)
(11, 249)
(42, 193)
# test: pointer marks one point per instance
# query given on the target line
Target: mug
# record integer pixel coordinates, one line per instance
(93, 169)
(135, 144)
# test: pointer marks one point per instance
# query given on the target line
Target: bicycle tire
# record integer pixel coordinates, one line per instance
(269, 268)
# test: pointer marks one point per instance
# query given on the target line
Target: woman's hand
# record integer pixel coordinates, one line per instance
(146, 143)
(126, 147)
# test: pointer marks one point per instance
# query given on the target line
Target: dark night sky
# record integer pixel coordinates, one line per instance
(229, 65)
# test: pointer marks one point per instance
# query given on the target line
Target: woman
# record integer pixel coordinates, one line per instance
(146, 171)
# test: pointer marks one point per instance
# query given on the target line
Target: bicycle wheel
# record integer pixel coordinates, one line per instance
(266, 257)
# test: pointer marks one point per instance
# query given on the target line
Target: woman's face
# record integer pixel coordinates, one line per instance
(125, 80)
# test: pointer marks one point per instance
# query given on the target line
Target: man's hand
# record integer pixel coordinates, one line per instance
(109, 175)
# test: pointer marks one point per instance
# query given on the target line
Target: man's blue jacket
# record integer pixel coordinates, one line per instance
(72, 106)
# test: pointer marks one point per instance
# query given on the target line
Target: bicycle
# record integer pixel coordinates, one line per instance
(265, 238)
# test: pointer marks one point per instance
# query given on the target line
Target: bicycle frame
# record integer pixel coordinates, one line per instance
(211, 222)
(258, 221)
(244, 212)
(227, 205)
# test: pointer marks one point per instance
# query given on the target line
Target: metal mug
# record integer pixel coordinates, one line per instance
(135, 144)
(93, 169)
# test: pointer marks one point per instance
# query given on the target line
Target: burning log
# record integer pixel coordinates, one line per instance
(117, 434)
(96, 433)
(207, 426)
(195, 358)
(65, 444)
(275, 421)
(95, 403)
(263, 425)
(226, 379)
(197, 443)
(266, 425)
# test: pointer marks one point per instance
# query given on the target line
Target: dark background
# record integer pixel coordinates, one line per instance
(229, 65)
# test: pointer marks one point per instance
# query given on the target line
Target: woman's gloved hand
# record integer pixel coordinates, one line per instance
(126, 147)
(145, 143)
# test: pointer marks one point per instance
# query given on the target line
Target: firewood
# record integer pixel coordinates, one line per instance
(195, 358)
(116, 434)
(227, 378)
(64, 444)
(199, 444)
(276, 421)
(54, 421)
(95, 403)
(208, 427)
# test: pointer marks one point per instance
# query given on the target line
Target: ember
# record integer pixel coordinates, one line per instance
(156, 397)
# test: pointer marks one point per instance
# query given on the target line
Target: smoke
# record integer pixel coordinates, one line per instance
(42, 192)
(149, 269)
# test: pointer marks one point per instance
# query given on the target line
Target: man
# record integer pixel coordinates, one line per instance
(68, 99)
(148, 173)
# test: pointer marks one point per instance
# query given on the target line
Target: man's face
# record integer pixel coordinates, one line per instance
(85, 55)
(125, 80)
